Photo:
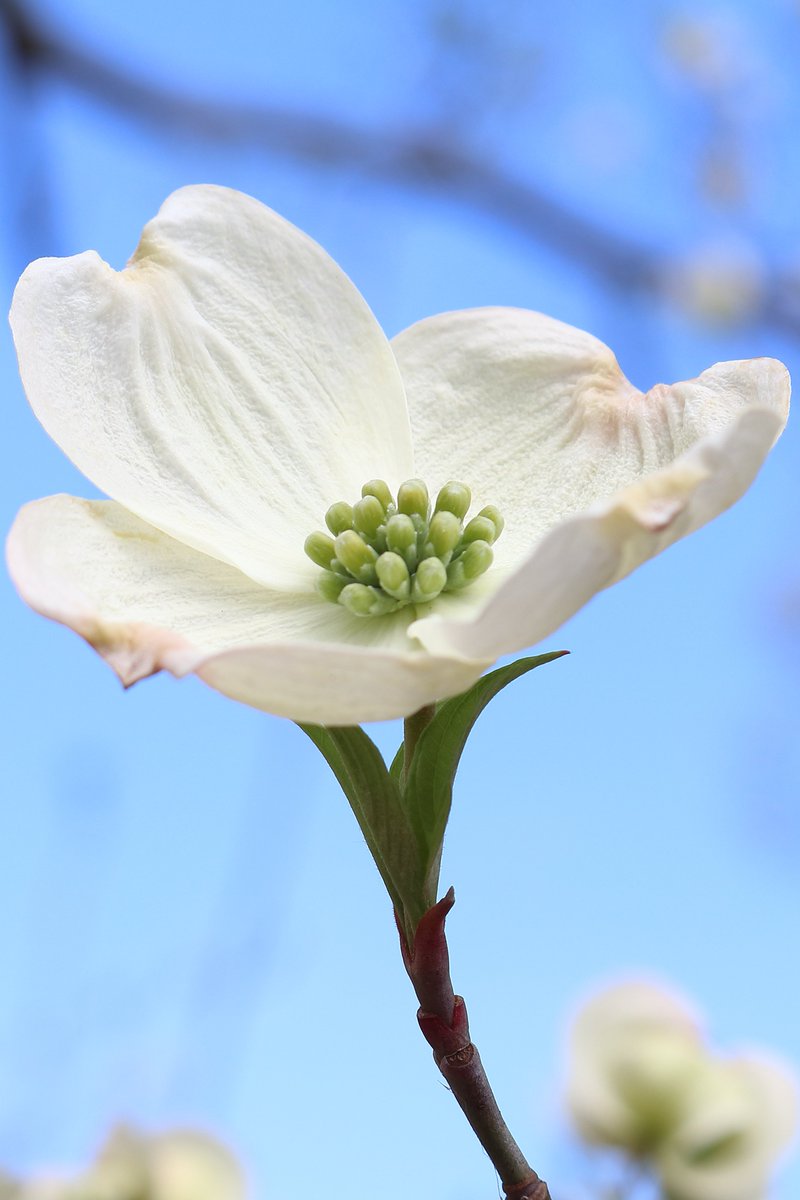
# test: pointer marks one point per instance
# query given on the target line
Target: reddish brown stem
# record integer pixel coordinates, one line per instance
(442, 1018)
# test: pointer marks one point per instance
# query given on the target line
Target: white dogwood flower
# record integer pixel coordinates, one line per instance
(181, 1165)
(739, 1115)
(641, 1079)
(634, 1049)
(230, 387)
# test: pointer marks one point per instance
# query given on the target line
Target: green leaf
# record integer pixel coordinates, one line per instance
(403, 818)
(396, 769)
(427, 791)
(376, 803)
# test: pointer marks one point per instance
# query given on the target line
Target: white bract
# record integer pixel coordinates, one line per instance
(230, 385)
(641, 1079)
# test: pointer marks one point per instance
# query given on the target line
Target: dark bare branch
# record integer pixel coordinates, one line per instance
(418, 159)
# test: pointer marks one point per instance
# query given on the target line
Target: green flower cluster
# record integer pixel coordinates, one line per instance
(381, 555)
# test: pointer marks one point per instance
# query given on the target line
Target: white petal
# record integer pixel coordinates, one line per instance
(537, 417)
(516, 405)
(227, 386)
(776, 1098)
(593, 476)
(147, 602)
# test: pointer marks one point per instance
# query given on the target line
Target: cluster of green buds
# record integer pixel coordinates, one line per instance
(381, 555)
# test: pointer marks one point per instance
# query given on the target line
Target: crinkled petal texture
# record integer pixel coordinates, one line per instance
(632, 1049)
(146, 601)
(592, 475)
(227, 386)
(740, 1115)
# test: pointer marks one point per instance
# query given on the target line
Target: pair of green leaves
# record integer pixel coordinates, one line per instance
(402, 810)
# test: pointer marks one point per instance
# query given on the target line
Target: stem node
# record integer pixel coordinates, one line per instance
(443, 1020)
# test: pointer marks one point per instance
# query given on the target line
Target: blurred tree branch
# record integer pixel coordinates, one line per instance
(417, 159)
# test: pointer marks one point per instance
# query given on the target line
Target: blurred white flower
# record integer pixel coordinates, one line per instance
(182, 1165)
(633, 1050)
(642, 1080)
(230, 385)
(721, 282)
(738, 1116)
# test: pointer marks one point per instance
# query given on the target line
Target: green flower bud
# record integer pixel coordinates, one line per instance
(330, 586)
(357, 556)
(339, 517)
(480, 529)
(320, 549)
(429, 580)
(413, 498)
(383, 604)
(365, 601)
(393, 575)
(496, 517)
(401, 537)
(379, 489)
(357, 599)
(368, 515)
(400, 533)
(476, 559)
(384, 557)
(454, 498)
(444, 533)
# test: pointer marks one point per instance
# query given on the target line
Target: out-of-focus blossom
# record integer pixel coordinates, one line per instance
(633, 1050)
(183, 1165)
(721, 283)
(642, 1080)
(738, 1116)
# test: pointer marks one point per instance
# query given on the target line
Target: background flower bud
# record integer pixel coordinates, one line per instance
(633, 1052)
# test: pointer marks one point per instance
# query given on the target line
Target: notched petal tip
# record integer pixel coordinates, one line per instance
(757, 382)
(589, 551)
(133, 649)
(660, 513)
(654, 505)
(146, 603)
(137, 651)
(48, 268)
(168, 383)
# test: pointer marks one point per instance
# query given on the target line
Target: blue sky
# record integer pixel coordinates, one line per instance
(186, 903)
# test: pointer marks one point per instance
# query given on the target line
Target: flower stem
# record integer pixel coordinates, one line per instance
(442, 1018)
